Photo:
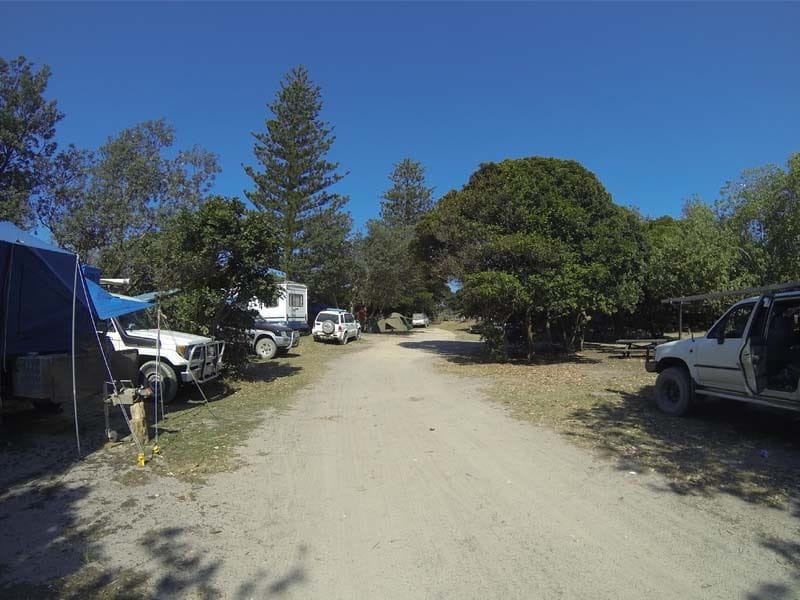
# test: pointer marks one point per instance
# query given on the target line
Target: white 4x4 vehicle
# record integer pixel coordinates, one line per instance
(336, 324)
(420, 320)
(751, 354)
(183, 358)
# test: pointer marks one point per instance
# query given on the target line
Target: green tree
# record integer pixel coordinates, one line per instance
(386, 279)
(27, 128)
(686, 256)
(392, 274)
(294, 178)
(218, 255)
(409, 197)
(325, 261)
(551, 226)
(762, 210)
(494, 297)
(103, 205)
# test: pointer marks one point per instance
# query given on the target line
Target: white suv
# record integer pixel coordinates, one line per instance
(336, 324)
(751, 354)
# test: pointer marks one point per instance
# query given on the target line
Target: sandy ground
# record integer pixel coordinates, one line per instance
(391, 479)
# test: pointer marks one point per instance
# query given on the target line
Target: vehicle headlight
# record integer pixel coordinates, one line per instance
(184, 351)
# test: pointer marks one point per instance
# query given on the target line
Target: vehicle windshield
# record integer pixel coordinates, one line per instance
(418, 316)
(143, 319)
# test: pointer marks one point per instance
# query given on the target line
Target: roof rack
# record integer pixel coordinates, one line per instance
(778, 287)
(752, 291)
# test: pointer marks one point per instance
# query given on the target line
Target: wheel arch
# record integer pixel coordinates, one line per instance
(146, 359)
(262, 335)
(671, 361)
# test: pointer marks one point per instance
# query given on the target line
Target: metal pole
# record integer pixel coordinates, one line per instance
(680, 320)
(74, 386)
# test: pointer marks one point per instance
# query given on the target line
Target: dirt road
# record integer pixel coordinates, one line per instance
(389, 479)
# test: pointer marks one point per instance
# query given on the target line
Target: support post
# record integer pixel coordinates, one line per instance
(680, 320)
(139, 422)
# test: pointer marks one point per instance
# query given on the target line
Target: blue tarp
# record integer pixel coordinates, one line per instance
(36, 282)
(108, 305)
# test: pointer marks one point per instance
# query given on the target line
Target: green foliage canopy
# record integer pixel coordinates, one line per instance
(27, 128)
(548, 225)
(105, 203)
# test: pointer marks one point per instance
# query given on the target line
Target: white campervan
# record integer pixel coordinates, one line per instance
(290, 307)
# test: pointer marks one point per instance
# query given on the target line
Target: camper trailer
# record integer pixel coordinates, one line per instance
(290, 307)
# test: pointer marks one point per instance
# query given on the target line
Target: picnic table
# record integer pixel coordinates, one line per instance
(639, 345)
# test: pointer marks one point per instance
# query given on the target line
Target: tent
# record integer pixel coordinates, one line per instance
(395, 323)
(48, 306)
(37, 282)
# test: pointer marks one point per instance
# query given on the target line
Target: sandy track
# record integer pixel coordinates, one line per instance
(390, 479)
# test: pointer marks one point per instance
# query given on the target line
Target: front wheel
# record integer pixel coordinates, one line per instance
(266, 348)
(162, 376)
(674, 394)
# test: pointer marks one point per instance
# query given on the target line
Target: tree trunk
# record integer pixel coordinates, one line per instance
(547, 328)
(529, 332)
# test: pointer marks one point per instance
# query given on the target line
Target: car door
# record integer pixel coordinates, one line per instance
(753, 355)
(350, 325)
(717, 363)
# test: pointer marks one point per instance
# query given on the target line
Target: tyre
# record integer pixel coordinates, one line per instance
(328, 327)
(266, 347)
(162, 375)
(674, 394)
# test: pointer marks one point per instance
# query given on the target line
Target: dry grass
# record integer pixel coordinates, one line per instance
(605, 403)
(198, 439)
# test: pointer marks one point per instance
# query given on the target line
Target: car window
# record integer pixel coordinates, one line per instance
(734, 323)
(348, 318)
(327, 316)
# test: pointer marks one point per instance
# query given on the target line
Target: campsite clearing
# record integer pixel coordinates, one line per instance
(409, 483)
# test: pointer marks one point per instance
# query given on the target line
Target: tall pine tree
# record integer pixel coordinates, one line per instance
(391, 275)
(409, 197)
(294, 176)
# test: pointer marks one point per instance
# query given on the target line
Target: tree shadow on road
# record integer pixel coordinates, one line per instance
(59, 557)
(466, 352)
(269, 370)
(722, 447)
(787, 552)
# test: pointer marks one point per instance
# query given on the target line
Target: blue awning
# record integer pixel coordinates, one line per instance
(108, 305)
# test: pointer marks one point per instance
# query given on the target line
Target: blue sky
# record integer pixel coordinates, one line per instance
(661, 101)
